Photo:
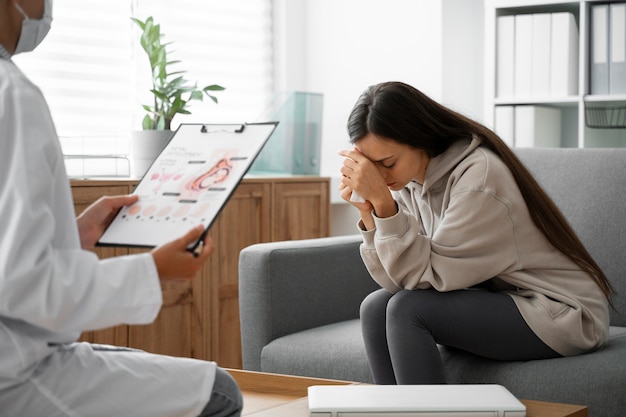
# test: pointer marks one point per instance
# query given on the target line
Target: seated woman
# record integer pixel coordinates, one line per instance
(470, 252)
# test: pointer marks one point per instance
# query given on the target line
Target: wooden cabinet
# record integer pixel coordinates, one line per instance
(200, 319)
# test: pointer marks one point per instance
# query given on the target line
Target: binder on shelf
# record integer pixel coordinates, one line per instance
(599, 77)
(617, 70)
(504, 125)
(505, 53)
(537, 127)
(564, 55)
(523, 54)
(542, 23)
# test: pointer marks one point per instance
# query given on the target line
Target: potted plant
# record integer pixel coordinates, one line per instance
(171, 94)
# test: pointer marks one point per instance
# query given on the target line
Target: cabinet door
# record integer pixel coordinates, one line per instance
(300, 209)
(244, 221)
(171, 333)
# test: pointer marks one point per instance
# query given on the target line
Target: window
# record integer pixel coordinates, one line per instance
(83, 67)
(95, 75)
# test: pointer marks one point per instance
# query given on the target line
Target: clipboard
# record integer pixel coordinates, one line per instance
(188, 184)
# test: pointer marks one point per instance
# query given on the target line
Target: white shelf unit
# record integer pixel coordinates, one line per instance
(574, 131)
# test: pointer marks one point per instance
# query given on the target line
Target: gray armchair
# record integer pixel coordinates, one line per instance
(299, 308)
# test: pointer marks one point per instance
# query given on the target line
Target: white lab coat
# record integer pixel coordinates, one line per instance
(51, 290)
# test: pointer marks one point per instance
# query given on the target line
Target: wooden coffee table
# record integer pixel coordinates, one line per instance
(275, 395)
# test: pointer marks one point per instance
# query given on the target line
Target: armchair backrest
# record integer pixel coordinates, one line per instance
(589, 185)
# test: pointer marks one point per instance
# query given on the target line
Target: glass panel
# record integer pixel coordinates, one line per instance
(294, 147)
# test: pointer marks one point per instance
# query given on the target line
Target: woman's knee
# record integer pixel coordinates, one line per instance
(411, 305)
(374, 306)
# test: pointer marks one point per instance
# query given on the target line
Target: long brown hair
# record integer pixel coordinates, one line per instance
(400, 112)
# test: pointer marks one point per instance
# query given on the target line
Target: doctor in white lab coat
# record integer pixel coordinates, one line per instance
(52, 288)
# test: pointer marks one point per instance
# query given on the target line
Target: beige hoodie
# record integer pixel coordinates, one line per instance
(469, 224)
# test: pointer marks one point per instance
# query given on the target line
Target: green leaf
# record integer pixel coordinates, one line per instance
(161, 123)
(214, 87)
(196, 95)
(146, 124)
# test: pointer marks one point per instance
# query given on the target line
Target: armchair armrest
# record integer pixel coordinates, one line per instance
(289, 286)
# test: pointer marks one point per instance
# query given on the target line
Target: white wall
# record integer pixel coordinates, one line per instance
(463, 56)
(340, 47)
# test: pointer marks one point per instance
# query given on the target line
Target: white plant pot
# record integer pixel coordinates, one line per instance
(145, 146)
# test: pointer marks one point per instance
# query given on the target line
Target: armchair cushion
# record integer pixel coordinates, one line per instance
(334, 351)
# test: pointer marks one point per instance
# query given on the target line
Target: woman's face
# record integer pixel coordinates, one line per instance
(398, 163)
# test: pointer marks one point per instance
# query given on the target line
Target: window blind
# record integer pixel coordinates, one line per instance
(95, 76)
(83, 67)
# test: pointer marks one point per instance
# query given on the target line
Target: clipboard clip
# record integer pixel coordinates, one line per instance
(238, 129)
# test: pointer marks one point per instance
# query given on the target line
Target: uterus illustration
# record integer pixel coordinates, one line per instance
(217, 174)
(207, 180)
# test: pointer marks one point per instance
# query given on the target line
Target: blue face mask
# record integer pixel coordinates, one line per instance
(33, 30)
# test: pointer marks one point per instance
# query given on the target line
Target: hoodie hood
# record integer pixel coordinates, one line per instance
(440, 166)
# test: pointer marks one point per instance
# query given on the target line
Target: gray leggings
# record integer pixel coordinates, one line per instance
(401, 332)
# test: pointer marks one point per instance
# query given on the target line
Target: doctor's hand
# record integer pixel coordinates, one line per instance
(94, 219)
(175, 262)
